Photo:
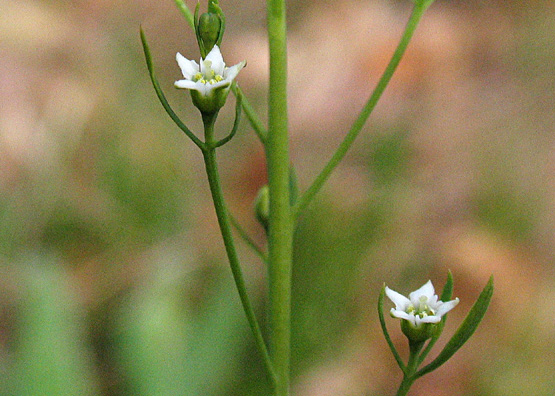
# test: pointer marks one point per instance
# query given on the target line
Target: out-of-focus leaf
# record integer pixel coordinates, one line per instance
(51, 355)
(168, 349)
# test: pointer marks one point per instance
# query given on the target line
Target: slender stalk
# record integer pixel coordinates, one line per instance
(248, 240)
(209, 153)
(162, 97)
(386, 333)
(412, 365)
(305, 199)
(280, 238)
(253, 118)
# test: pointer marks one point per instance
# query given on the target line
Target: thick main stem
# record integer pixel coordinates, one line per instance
(280, 238)
(209, 154)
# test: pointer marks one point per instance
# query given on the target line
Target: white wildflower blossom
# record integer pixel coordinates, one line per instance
(210, 81)
(422, 305)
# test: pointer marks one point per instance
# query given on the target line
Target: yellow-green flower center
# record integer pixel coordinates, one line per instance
(209, 78)
(423, 308)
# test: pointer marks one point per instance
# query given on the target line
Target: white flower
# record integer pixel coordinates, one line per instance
(422, 306)
(210, 81)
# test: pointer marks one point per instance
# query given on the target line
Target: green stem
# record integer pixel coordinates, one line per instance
(253, 118)
(307, 197)
(412, 365)
(162, 97)
(405, 386)
(280, 238)
(248, 240)
(209, 153)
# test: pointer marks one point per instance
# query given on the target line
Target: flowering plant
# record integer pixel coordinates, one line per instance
(423, 317)
(278, 205)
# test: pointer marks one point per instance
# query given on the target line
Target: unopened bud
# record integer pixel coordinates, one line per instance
(208, 30)
(209, 27)
(262, 207)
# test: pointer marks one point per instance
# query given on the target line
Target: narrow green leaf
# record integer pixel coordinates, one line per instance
(465, 331)
(162, 97)
(357, 127)
(186, 12)
(448, 288)
(445, 296)
(253, 118)
(238, 101)
(386, 333)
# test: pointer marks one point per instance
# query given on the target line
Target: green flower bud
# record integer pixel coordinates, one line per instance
(208, 29)
(262, 207)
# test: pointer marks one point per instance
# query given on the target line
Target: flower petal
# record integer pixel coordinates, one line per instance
(446, 307)
(216, 59)
(231, 72)
(188, 84)
(219, 85)
(188, 67)
(400, 301)
(428, 319)
(433, 302)
(426, 290)
(402, 315)
(205, 89)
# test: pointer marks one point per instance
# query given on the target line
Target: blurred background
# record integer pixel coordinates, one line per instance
(113, 277)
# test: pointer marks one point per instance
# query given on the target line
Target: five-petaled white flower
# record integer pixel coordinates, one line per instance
(422, 306)
(210, 81)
